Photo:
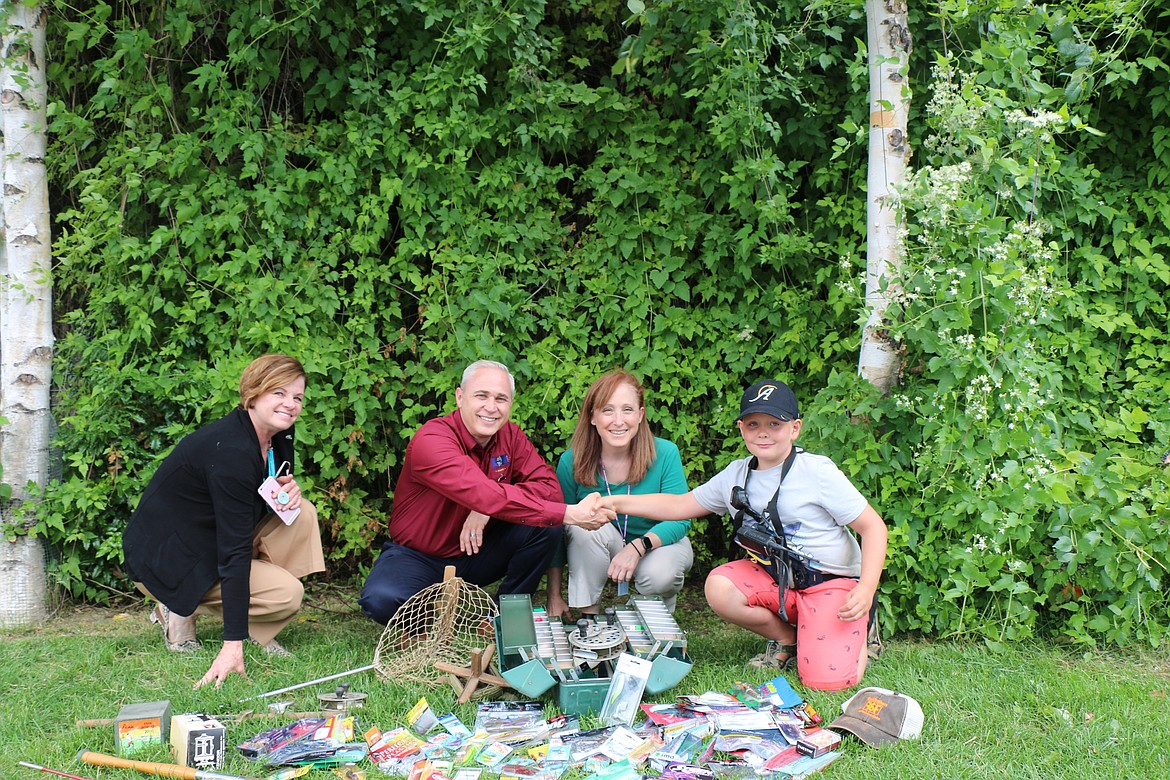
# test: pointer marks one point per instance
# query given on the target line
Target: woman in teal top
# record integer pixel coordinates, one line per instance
(613, 451)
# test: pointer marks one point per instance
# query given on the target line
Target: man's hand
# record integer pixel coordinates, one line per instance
(589, 513)
(229, 660)
(471, 537)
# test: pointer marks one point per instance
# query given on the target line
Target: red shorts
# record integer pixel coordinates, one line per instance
(830, 652)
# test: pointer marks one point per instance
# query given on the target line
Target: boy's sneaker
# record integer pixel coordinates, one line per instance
(873, 639)
(775, 656)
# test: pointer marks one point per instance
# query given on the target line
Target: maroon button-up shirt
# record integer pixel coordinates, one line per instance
(446, 474)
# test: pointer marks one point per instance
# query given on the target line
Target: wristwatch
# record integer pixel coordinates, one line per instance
(647, 545)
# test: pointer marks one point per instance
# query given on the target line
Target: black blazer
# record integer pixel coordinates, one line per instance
(195, 522)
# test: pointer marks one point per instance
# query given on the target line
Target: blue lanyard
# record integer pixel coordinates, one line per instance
(271, 463)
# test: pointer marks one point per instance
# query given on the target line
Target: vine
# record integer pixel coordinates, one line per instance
(391, 191)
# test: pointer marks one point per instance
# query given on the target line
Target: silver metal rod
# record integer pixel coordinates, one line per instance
(310, 682)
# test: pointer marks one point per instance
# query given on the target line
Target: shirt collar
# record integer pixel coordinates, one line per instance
(465, 436)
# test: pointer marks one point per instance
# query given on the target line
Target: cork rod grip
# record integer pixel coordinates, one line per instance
(148, 767)
(152, 768)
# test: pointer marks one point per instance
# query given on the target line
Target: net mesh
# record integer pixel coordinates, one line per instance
(443, 622)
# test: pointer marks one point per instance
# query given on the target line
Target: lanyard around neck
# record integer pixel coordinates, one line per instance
(272, 469)
(624, 518)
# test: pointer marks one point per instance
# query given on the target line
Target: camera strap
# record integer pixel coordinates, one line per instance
(779, 565)
(773, 514)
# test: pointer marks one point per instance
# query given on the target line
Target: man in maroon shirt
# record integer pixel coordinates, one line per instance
(474, 494)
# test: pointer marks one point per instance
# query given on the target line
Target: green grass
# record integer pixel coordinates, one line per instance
(1029, 711)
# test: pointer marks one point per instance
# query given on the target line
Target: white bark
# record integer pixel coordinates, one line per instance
(889, 42)
(26, 333)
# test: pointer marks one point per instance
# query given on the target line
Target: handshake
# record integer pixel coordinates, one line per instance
(592, 512)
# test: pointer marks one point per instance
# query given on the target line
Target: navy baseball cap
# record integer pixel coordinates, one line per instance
(769, 396)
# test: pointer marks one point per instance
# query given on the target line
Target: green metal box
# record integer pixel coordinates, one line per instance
(534, 654)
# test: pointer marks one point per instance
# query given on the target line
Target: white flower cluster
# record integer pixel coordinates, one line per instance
(851, 284)
(982, 544)
(1016, 566)
(945, 186)
(979, 397)
(952, 115)
(904, 402)
(1041, 465)
(1024, 251)
(956, 276)
(1037, 124)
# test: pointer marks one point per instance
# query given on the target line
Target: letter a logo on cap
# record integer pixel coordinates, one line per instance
(769, 396)
(764, 393)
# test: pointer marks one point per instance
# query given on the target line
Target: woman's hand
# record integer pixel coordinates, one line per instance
(622, 566)
(230, 659)
(289, 485)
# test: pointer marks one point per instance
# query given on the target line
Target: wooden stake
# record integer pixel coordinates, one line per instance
(477, 674)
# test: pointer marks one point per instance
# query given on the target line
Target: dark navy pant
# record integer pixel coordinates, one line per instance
(516, 554)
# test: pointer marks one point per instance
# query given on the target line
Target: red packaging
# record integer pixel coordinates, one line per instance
(817, 743)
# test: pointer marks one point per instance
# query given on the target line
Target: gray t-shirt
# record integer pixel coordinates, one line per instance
(816, 502)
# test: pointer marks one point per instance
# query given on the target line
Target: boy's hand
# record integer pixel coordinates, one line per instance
(857, 604)
(609, 503)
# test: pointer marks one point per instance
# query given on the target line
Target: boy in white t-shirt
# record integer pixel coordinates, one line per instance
(817, 613)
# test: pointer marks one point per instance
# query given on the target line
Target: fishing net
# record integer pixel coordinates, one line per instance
(443, 622)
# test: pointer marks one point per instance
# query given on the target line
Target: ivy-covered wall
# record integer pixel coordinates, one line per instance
(389, 190)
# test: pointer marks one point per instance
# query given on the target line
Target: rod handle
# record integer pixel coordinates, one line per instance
(148, 767)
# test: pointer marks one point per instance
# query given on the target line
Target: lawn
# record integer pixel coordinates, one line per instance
(1026, 711)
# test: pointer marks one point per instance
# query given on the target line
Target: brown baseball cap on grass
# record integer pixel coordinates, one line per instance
(880, 717)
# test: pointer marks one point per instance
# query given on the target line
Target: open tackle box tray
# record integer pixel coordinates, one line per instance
(537, 653)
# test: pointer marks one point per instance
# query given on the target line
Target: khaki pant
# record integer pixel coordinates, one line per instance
(660, 573)
(281, 555)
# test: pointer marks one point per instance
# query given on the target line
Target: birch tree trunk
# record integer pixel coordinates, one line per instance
(889, 42)
(26, 333)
